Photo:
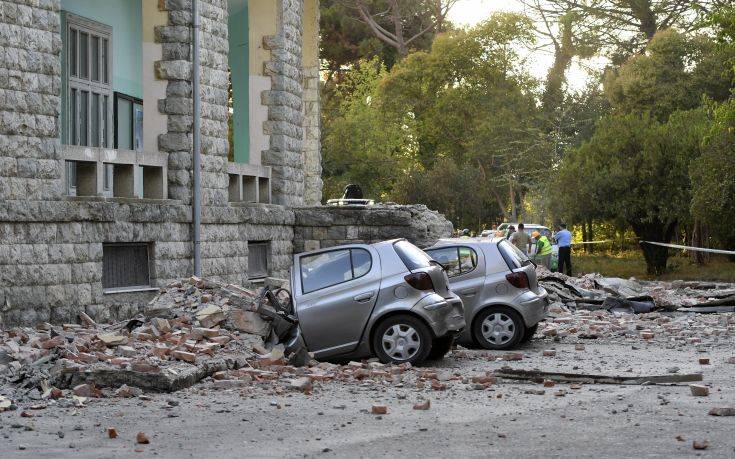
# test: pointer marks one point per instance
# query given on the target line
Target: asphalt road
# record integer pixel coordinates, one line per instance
(335, 420)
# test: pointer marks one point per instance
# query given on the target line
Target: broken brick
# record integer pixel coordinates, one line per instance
(699, 390)
(704, 360)
(142, 438)
(696, 444)
(549, 353)
(379, 409)
(111, 432)
(185, 356)
(423, 405)
(722, 411)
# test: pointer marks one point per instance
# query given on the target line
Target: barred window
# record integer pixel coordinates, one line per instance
(258, 259)
(125, 265)
(89, 91)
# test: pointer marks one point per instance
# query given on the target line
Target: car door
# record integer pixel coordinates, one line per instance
(464, 268)
(334, 293)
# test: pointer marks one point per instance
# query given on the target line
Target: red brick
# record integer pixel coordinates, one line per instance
(379, 409)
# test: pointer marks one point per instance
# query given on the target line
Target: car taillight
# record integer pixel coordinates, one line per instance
(419, 281)
(517, 280)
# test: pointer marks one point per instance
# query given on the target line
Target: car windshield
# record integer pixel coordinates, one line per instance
(514, 257)
(412, 256)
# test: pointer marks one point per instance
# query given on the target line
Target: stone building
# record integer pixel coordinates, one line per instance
(96, 152)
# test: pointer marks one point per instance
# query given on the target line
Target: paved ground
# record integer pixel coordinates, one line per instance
(594, 421)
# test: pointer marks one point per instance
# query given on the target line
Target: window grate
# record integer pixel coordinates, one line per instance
(258, 259)
(125, 265)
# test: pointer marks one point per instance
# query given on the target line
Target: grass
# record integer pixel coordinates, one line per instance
(631, 264)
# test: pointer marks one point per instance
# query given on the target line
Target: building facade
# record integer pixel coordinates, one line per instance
(96, 151)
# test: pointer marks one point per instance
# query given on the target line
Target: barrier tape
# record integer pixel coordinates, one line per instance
(593, 242)
(693, 249)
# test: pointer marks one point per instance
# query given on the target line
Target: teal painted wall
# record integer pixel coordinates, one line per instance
(125, 17)
(240, 73)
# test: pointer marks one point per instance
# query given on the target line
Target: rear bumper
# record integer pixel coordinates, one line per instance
(445, 316)
(533, 306)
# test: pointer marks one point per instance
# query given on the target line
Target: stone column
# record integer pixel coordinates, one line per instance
(284, 100)
(176, 68)
(30, 87)
(312, 135)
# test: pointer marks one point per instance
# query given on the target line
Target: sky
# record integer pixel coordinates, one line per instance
(471, 12)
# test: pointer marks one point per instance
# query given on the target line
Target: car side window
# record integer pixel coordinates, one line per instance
(449, 258)
(326, 269)
(456, 260)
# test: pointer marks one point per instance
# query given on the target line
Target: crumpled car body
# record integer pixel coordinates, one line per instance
(387, 299)
(502, 299)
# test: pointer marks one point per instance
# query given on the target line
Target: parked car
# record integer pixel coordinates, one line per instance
(503, 302)
(388, 299)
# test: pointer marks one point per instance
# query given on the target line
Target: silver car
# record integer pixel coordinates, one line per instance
(502, 299)
(388, 299)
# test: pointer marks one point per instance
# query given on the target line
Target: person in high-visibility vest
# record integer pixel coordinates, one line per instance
(543, 249)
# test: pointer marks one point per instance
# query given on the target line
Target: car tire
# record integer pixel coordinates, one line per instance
(528, 334)
(402, 338)
(498, 328)
(440, 347)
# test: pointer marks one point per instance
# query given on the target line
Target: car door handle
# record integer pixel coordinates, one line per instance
(364, 297)
(468, 291)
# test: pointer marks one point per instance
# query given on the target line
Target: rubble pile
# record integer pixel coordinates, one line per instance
(674, 328)
(189, 331)
(594, 292)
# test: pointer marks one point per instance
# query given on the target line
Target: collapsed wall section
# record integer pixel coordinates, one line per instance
(319, 227)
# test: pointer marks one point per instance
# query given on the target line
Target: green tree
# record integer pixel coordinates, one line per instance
(361, 143)
(474, 104)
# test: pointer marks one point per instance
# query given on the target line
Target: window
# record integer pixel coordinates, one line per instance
(71, 178)
(412, 256)
(326, 269)
(89, 92)
(513, 257)
(128, 122)
(125, 265)
(456, 260)
(258, 259)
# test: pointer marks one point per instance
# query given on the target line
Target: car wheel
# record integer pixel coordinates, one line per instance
(440, 347)
(530, 331)
(402, 338)
(498, 328)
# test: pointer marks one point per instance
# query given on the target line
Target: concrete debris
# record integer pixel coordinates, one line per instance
(190, 330)
(699, 390)
(594, 292)
(722, 411)
(548, 379)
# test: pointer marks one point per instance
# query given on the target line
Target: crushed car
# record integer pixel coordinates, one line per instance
(503, 301)
(389, 300)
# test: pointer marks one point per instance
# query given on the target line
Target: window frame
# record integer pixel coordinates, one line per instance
(133, 102)
(76, 84)
(352, 267)
(457, 248)
(267, 246)
(149, 267)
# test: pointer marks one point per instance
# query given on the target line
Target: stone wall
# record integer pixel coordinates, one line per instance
(320, 227)
(51, 252)
(30, 85)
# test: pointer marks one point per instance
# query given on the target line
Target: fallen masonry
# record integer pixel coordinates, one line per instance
(191, 330)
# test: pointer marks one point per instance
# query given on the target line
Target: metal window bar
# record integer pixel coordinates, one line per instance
(258, 252)
(125, 265)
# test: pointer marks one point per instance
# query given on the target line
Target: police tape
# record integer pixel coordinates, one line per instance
(593, 242)
(693, 249)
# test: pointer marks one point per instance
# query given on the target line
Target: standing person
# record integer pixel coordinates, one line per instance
(564, 239)
(521, 239)
(543, 249)
(465, 233)
(511, 230)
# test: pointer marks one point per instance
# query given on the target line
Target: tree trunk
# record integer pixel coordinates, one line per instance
(585, 238)
(656, 256)
(698, 239)
(513, 207)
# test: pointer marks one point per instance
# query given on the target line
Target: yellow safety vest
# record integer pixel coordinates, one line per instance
(543, 246)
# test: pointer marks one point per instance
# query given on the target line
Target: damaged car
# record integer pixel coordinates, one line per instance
(388, 300)
(503, 301)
